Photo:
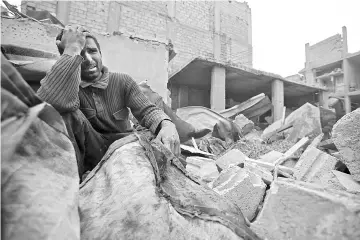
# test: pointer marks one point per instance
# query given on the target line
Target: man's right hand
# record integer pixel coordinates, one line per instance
(73, 40)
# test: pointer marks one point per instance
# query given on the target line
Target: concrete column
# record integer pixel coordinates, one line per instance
(183, 96)
(113, 24)
(324, 99)
(347, 76)
(277, 98)
(217, 93)
(347, 103)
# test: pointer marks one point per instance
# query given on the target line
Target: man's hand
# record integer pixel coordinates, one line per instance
(73, 40)
(169, 137)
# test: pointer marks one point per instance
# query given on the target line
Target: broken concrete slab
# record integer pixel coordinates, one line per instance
(232, 157)
(264, 173)
(315, 142)
(245, 125)
(271, 157)
(347, 182)
(314, 166)
(306, 120)
(242, 187)
(271, 129)
(346, 135)
(204, 168)
(297, 210)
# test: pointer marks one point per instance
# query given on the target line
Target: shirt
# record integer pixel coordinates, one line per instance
(105, 104)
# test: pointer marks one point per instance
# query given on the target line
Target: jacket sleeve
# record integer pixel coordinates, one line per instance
(143, 110)
(60, 87)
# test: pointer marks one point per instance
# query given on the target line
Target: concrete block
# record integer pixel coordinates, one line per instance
(346, 135)
(204, 168)
(347, 182)
(298, 210)
(242, 187)
(233, 157)
(245, 125)
(271, 157)
(306, 120)
(265, 174)
(314, 166)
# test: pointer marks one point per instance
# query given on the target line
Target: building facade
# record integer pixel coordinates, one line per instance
(208, 29)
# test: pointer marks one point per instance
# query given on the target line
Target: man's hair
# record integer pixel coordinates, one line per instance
(61, 50)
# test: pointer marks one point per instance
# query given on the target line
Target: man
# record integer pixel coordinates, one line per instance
(94, 102)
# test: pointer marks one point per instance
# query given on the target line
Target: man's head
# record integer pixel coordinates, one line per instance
(91, 67)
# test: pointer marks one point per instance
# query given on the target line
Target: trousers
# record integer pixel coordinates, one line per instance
(90, 145)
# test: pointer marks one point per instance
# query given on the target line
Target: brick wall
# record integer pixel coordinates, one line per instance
(325, 51)
(190, 28)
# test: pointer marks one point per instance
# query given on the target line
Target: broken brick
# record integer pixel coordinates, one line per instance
(314, 166)
(232, 157)
(242, 187)
(203, 168)
(297, 210)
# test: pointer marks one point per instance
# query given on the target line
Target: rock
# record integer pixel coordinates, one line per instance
(314, 166)
(298, 210)
(271, 157)
(347, 182)
(264, 173)
(346, 135)
(271, 129)
(306, 120)
(245, 125)
(203, 168)
(232, 157)
(242, 187)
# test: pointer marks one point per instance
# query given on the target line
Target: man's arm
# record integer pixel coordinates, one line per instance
(143, 110)
(60, 87)
(151, 116)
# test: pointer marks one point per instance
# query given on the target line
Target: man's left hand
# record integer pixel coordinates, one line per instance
(169, 136)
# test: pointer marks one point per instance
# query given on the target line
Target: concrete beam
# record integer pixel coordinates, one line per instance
(277, 97)
(217, 94)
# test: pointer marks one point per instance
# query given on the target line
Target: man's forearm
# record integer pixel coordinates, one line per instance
(60, 86)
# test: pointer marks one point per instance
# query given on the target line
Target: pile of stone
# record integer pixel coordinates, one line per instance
(286, 183)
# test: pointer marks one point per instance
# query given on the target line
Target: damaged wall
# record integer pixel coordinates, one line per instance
(142, 59)
(189, 24)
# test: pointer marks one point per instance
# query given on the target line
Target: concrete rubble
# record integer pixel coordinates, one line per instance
(233, 157)
(346, 135)
(203, 168)
(298, 210)
(246, 189)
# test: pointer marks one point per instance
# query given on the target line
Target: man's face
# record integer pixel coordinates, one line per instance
(91, 67)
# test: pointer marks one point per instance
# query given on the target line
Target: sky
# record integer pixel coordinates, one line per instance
(281, 28)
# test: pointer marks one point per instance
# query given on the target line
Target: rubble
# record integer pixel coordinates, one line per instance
(347, 182)
(346, 135)
(314, 166)
(232, 157)
(245, 125)
(306, 120)
(298, 210)
(242, 187)
(203, 168)
(271, 157)
(261, 171)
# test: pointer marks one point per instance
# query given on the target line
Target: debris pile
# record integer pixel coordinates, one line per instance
(291, 180)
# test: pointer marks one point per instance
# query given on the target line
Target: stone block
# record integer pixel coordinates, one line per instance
(346, 135)
(204, 168)
(314, 166)
(264, 173)
(242, 187)
(297, 210)
(233, 157)
(244, 124)
(271, 157)
(306, 120)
